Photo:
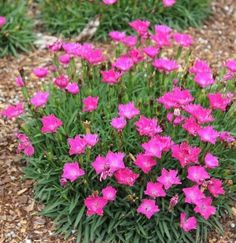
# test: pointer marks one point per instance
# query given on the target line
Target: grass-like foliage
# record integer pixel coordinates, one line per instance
(68, 17)
(141, 152)
(17, 32)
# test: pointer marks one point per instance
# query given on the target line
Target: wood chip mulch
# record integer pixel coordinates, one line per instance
(20, 219)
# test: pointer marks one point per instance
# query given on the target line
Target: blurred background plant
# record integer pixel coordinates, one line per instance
(17, 33)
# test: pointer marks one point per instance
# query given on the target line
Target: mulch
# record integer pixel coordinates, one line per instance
(20, 219)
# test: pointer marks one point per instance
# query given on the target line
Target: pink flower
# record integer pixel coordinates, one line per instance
(168, 3)
(185, 153)
(211, 161)
(176, 98)
(184, 40)
(208, 134)
(20, 82)
(145, 162)
(39, 99)
(109, 2)
(72, 48)
(161, 38)
(193, 194)
(191, 126)
(218, 102)
(72, 171)
(187, 224)
(77, 145)
(94, 56)
(151, 51)
(95, 205)
(129, 41)
(50, 124)
(148, 207)
(200, 66)
(91, 139)
(215, 187)
(72, 88)
(226, 137)
(13, 111)
(197, 174)
(205, 208)
(136, 55)
(64, 59)
(117, 35)
(231, 65)
(204, 79)
(126, 177)
(173, 201)
(115, 161)
(3, 21)
(203, 115)
(140, 26)
(165, 64)
(118, 123)
(110, 76)
(101, 165)
(154, 190)
(147, 126)
(109, 193)
(56, 46)
(128, 110)
(90, 103)
(61, 81)
(156, 145)
(124, 63)
(169, 178)
(161, 28)
(40, 72)
(25, 145)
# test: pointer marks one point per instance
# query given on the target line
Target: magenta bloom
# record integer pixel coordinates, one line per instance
(148, 207)
(218, 102)
(128, 110)
(117, 35)
(56, 46)
(129, 41)
(50, 124)
(3, 21)
(215, 187)
(165, 64)
(126, 177)
(13, 111)
(110, 76)
(145, 162)
(200, 66)
(72, 171)
(101, 166)
(156, 145)
(151, 51)
(25, 145)
(162, 38)
(94, 56)
(124, 63)
(211, 161)
(72, 88)
(204, 79)
(187, 224)
(136, 55)
(109, 193)
(176, 98)
(183, 40)
(193, 194)
(185, 154)
(61, 81)
(140, 26)
(154, 190)
(231, 65)
(168, 3)
(205, 208)
(208, 134)
(115, 160)
(109, 2)
(90, 103)
(40, 72)
(169, 178)
(191, 126)
(118, 123)
(95, 205)
(64, 59)
(161, 28)
(197, 174)
(226, 137)
(20, 82)
(147, 126)
(91, 139)
(39, 99)
(77, 145)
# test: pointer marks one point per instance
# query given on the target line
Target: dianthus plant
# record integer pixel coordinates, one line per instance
(138, 148)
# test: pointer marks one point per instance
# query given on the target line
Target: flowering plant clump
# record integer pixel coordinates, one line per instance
(133, 149)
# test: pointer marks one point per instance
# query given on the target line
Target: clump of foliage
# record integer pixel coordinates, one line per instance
(17, 32)
(137, 149)
(68, 17)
